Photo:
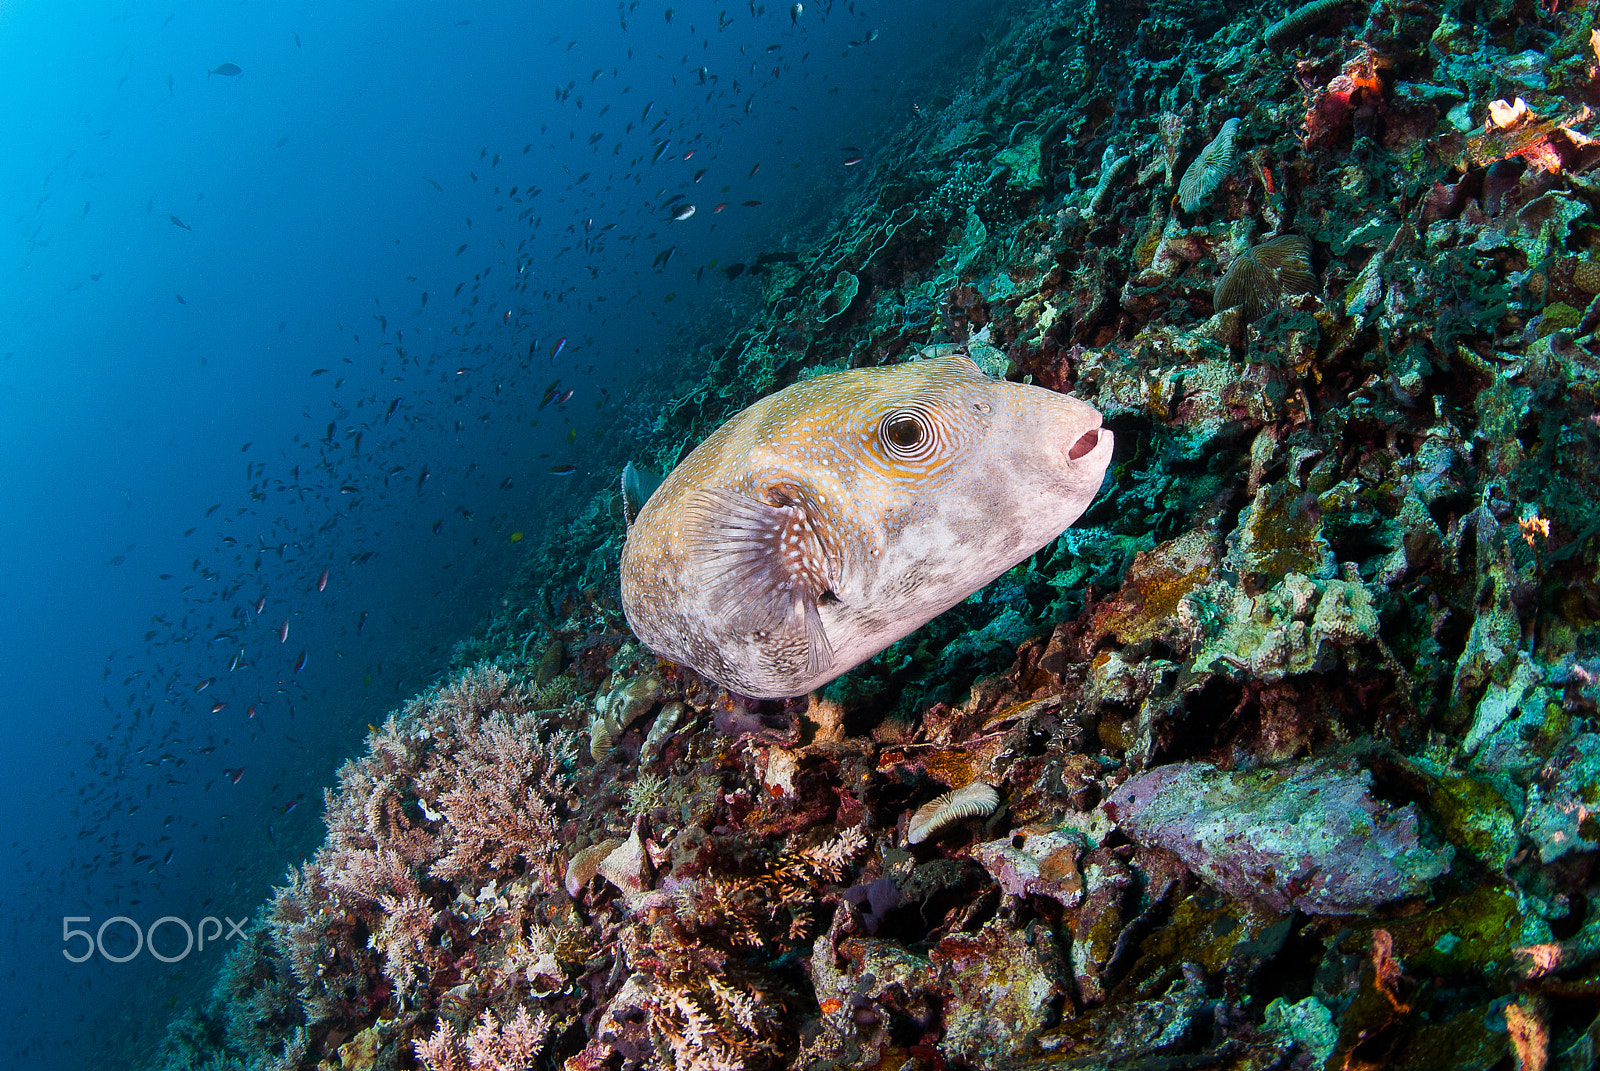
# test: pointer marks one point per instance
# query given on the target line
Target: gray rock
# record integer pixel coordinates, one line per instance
(1308, 835)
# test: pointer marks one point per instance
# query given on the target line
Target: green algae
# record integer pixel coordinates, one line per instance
(1202, 928)
(1484, 924)
(1472, 814)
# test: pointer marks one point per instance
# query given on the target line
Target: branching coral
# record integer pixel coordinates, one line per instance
(497, 797)
(404, 938)
(464, 784)
(493, 1045)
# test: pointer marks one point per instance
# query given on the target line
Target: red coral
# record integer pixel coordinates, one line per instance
(1354, 93)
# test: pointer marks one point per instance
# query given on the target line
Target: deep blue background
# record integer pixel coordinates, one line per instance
(138, 358)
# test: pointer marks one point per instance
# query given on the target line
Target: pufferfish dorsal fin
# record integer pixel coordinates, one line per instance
(637, 487)
(765, 562)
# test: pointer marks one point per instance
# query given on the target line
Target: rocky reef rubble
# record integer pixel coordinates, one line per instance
(1307, 835)
(1286, 756)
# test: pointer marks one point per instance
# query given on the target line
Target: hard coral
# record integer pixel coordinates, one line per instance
(1287, 31)
(976, 800)
(1259, 277)
(1214, 164)
(493, 1045)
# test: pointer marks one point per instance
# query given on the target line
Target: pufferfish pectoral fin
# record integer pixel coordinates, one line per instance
(764, 563)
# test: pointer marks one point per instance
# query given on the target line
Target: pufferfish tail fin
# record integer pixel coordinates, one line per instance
(766, 564)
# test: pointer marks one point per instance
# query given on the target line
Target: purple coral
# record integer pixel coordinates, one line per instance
(1309, 835)
(874, 899)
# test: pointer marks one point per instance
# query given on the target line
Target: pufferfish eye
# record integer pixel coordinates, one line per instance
(907, 435)
(903, 432)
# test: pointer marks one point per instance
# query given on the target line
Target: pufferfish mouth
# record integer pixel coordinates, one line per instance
(1091, 449)
(1086, 443)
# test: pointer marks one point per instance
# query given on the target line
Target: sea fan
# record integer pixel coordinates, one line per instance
(977, 800)
(1258, 278)
(1214, 164)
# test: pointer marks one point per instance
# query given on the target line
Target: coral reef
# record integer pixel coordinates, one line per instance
(1287, 754)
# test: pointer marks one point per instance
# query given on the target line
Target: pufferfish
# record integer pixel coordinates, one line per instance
(836, 516)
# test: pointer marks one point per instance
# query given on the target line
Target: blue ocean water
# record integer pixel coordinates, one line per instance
(291, 300)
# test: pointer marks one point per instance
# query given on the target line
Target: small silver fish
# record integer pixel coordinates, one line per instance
(836, 516)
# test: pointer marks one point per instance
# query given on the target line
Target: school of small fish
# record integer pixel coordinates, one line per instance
(672, 173)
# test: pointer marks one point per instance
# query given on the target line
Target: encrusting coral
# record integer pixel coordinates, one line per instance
(1297, 732)
(1310, 835)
